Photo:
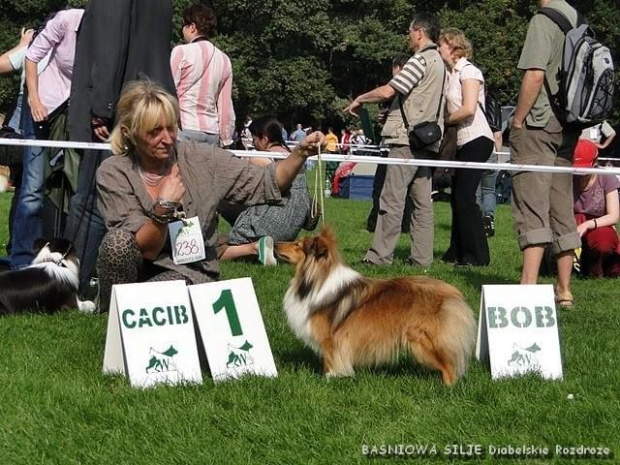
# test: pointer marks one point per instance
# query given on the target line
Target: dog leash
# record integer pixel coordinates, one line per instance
(59, 262)
(318, 185)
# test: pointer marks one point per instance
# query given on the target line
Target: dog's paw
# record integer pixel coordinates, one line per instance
(87, 307)
(339, 374)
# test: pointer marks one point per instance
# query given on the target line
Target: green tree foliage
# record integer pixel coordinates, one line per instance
(497, 30)
(303, 60)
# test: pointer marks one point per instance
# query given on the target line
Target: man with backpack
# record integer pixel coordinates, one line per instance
(542, 203)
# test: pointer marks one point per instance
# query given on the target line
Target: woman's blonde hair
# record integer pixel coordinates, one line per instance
(138, 112)
(455, 38)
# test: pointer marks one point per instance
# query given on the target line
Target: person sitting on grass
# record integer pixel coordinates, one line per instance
(255, 228)
(596, 213)
(153, 180)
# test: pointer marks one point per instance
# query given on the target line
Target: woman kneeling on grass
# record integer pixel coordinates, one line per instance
(256, 228)
(596, 213)
(155, 180)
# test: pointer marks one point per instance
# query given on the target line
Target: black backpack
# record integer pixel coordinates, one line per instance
(586, 75)
(503, 187)
(10, 155)
(493, 111)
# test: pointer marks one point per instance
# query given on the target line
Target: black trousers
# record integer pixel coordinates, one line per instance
(468, 243)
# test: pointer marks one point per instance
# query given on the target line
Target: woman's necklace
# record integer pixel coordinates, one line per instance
(151, 179)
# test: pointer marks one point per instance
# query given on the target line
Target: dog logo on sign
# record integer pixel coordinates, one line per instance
(239, 356)
(162, 361)
(524, 357)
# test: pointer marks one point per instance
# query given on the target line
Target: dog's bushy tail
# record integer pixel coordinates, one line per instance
(457, 336)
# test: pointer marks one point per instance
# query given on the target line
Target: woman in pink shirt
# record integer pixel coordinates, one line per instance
(203, 78)
(47, 94)
(50, 89)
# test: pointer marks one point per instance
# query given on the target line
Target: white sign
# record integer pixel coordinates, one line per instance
(151, 334)
(518, 331)
(186, 239)
(232, 329)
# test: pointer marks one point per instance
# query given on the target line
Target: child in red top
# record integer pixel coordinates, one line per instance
(596, 210)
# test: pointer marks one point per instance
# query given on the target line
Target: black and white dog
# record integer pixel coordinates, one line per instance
(49, 284)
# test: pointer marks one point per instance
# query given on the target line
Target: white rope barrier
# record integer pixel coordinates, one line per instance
(442, 164)
(55, 144)
(351, 158)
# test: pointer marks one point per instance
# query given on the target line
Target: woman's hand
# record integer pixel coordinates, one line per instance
(26, 37)
(100, 128)
(585, 227)
(172, 187)
(38, 110)
(310, 145)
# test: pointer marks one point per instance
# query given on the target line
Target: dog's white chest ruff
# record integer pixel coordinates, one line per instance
(297, 313)
(298, 310)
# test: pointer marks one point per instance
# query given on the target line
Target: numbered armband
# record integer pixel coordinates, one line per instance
(186, 240)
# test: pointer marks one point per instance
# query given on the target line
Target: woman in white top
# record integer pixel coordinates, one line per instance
(464, 103)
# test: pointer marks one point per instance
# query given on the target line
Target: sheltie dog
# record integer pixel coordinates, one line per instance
(354, 321)
(49, 284)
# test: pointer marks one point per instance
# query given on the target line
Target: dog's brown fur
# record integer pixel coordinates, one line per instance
(354, 321)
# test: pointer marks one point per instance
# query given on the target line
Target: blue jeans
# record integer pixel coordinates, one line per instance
(16, 118)
(28, 222)
(485, 194)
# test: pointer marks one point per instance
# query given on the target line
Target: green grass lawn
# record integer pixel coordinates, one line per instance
(57, 407)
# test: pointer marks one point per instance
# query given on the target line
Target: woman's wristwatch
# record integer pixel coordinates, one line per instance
(165, 211)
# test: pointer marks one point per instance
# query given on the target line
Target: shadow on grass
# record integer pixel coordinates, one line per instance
(301, 360)
(405, 367)
(476, 278)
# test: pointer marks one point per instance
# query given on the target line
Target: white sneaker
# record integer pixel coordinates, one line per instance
(265, 251)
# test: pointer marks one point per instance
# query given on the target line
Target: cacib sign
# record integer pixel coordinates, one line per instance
(151, 336)
(157, 316)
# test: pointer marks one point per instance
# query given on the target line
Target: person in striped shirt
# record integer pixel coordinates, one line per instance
(417, 92)
(203, 78)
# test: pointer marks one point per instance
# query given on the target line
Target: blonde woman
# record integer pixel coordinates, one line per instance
(153, 178)
(464, 103)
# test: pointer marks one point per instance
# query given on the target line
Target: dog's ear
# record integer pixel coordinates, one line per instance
(327, 233)
(308, 246)
(320, 248)
(39, 244)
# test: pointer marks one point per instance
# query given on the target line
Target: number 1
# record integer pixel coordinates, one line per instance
(226, 301)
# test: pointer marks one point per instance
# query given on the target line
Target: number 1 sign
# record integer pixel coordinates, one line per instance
(232, 329)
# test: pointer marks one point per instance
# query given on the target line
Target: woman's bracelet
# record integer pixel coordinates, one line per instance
(159, 219)
(169, 204)
(165, 211)
(595, 223)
